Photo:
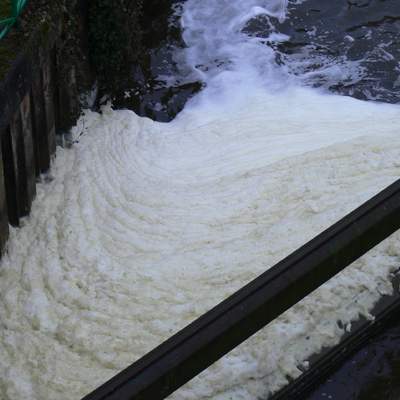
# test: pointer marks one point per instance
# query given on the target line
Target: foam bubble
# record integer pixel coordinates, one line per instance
(146, 226)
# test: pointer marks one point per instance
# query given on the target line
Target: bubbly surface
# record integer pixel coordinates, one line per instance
(144, 226)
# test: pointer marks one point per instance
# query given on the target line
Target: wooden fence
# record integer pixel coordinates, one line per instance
(36, 103)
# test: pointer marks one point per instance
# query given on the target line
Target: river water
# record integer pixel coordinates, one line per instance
(142, 226)
(370, 374)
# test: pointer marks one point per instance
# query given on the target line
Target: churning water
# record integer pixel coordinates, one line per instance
(147, 225)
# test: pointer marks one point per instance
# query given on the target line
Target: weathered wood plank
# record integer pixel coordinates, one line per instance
(49, 83)
(40, 136)
(18, 154)
(10, 177)
(4, 228)
(28, 150)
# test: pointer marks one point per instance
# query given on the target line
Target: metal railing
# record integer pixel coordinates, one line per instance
(6, 24)
(196, 347)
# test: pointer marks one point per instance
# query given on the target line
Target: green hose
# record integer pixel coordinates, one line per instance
(8, 23)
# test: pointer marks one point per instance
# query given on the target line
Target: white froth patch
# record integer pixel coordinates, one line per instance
(146, 226)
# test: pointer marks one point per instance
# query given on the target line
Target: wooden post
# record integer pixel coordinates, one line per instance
(19, 163)
(4, 229)
(10, 177)
(49, 82)
(29, 157)
(31, 113)
(40, 139)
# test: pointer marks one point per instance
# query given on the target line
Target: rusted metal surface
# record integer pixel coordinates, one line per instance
(196, 347)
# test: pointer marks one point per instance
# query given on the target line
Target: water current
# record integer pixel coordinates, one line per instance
(142, 226)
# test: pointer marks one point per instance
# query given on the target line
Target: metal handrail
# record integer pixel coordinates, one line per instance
(196, 347)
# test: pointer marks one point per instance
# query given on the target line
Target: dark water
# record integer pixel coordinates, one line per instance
(373, 373)
(350, 47)
(361, 37)
(326, 33)
(151, 95)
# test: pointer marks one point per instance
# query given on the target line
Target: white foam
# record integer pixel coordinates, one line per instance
(145, 226)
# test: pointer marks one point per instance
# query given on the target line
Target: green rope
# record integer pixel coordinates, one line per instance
(7, 23)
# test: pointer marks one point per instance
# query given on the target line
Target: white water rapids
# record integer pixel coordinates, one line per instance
(145, 226)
